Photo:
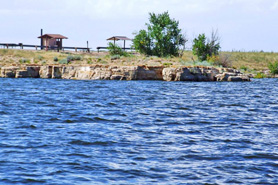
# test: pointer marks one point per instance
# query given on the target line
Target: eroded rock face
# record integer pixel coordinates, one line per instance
(189, 74)
(232, 77)
(30, 72)
(99, 72)
(45, 72)
(8, 72)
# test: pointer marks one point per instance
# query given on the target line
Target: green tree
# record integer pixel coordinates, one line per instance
(204, 47)
(162, 37)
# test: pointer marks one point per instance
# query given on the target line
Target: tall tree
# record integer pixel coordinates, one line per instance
(162, 37)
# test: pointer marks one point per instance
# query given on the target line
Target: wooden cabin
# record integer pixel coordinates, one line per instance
(52, 41)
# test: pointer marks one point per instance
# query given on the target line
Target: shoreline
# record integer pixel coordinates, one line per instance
(113, 72)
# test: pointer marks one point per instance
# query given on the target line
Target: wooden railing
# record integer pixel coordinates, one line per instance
(22, 46)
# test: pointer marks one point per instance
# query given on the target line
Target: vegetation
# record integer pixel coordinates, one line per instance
(162, 38)
(204, 47)
(55, 59)
(24, 61)
(116, 50)
(260, 75)
(273, 67)
(249, 62)
(64, 61)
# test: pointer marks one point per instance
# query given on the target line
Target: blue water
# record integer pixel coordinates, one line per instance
(138, 132)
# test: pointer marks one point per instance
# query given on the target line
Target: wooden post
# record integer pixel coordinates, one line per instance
(75, 49)
(36, 47)
(124, 45)
(7, 46)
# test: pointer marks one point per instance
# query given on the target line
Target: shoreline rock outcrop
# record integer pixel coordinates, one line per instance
(105, 72)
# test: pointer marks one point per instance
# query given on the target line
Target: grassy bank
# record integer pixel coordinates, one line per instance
(247, 61)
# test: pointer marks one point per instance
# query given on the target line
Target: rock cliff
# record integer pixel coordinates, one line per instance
(104, 72)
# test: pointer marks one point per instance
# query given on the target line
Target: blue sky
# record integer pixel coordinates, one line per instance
(242, 24)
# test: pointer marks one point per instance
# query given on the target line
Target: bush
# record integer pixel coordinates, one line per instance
(162, 38)
(220, 60)
(273, 67)
(56, 59)
(77, 57)
(40, 57)
(64, 61)
(204, 47)
(89, 61)
(167, 64)
(244, 68)
(260, 75)
(114, 49)
(24, 61)
(70, 58)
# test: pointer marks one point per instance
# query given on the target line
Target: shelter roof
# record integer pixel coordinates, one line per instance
(119, 38)
(53, 36)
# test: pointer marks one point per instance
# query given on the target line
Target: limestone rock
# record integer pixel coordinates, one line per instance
(169, 74)
(232, 77)
(69, 72)
(57, 71)
(8, 72)
(30, 72)
(149, 73)
(45, 72)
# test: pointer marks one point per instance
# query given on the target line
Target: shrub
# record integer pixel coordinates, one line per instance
(70, 58)
(40, 57)
(162, 37)
(244, 68)
(204, 47)
(89, 61)
(77, 57)
(114, 49)
(167, 64)
(260, 75)
(220, 60)
(56, 59)
(64, 61)
(24, 60)
(273, 67)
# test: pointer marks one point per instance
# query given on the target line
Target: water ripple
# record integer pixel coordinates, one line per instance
(138, 132)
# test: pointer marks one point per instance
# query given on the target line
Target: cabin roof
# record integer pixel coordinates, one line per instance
(119, 38)
(53, 36)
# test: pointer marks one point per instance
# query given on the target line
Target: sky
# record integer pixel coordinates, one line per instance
(246, 25)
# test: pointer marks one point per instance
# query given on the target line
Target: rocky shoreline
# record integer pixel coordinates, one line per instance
(106, 72)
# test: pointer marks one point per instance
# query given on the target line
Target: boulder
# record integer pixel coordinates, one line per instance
(169, 74)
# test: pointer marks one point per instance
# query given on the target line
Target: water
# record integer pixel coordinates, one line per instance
(138, 132)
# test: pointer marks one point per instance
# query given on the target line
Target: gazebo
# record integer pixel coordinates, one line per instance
(116, 38)
(52, 40)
